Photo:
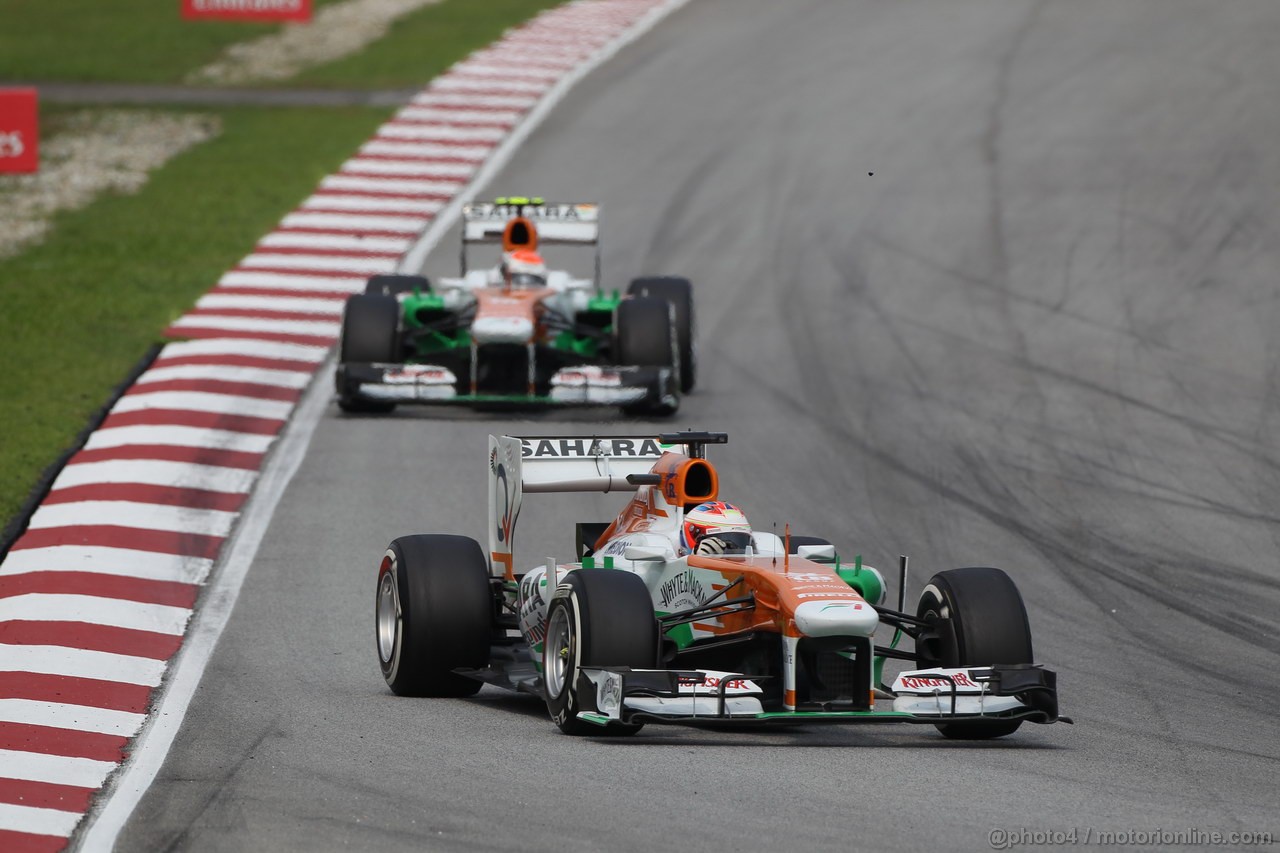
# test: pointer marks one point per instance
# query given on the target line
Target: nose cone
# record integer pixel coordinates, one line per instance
(836, 618)
(502, 330)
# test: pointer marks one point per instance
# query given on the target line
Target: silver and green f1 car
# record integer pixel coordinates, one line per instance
(652, 625)
(519, 334)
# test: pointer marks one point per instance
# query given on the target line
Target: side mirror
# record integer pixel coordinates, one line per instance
(636, 553)
(817, 553)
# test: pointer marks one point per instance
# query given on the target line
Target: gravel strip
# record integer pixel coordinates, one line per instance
(99, 150)
(332, 33)
(95, 151)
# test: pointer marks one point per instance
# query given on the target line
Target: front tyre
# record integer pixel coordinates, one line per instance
(370, 333)
(434, 614)
(976, 618)
(597, 617)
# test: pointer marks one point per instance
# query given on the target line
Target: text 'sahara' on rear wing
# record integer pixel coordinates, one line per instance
(569, 223)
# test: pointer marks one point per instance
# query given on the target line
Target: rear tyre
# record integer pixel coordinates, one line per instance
(644, 336)
(389, 284)
(370, 333)
(434, 614)
(977, 618)
(598, 617)
(679, 292)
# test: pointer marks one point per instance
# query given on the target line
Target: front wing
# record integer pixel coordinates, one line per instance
(702, 697)
(586, 385)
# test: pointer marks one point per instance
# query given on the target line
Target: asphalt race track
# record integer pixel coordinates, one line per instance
(979, 281)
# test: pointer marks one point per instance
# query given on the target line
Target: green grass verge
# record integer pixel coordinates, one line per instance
(117, 41)
(84, 306)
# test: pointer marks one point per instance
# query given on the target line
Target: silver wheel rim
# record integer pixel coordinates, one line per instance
(388, 618)
(556, 652)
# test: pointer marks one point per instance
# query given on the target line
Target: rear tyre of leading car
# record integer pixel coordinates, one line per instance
(598, 617)
(434, 614)
(976, 618)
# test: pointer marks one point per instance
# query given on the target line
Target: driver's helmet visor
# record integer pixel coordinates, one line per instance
(527, 279)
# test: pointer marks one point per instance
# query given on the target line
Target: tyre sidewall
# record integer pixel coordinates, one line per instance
(370, 329)
(982, 621)
(629, 648)
(445, 615)
(390, 566)
(564, 705)
(987, 618)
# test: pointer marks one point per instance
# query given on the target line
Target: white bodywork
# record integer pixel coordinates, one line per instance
(696, 696)
(920, 691)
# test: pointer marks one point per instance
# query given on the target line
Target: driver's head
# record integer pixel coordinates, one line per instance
(523, 268)
(710, 519)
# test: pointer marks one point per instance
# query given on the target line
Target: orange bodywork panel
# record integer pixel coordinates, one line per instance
(779, 586)
(502, 302)
(520, 233)
(510, 316)
(683, 481)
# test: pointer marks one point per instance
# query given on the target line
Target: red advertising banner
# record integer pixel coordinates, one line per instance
(247, 10)
(19, 131)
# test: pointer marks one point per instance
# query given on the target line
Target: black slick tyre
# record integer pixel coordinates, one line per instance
(597, 617)
(977, 618)
(369, 329)
(370, 333)
(389, 284)
(434, 614)
(679, 292)
(644, 336)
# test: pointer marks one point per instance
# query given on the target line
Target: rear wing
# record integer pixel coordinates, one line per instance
(570, 463)
(570, 223)
(520, 222)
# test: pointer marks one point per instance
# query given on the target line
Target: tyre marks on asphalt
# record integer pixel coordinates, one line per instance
(96, 595)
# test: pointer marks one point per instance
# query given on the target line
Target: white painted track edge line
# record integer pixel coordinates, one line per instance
(152, 747)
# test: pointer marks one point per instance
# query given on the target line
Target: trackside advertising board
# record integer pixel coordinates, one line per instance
(19, 131)
(247, 10)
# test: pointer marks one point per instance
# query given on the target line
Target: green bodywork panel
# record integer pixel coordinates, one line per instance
(681, 635)
(569, 342)
(601, 305)
(864, 582)
(433, 342)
